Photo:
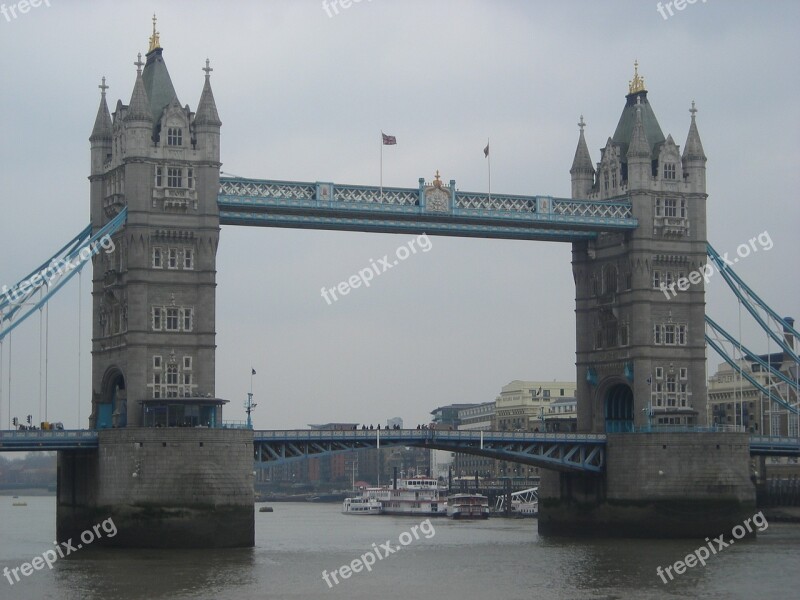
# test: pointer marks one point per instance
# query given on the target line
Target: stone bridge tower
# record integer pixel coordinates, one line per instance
(153, 334)
(640, 355)
(154, 296)
(640, 319)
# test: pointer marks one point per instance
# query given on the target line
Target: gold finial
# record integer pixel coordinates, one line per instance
(637, 84)
(436, 180)
(154, 41)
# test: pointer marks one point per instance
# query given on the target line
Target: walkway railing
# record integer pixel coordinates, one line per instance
(689, 429)
(446, 211)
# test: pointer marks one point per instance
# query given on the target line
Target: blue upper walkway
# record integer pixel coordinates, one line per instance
(433, 208)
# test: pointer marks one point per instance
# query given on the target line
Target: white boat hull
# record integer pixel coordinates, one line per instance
(361, 506)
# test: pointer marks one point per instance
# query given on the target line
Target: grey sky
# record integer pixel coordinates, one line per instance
(303, 96)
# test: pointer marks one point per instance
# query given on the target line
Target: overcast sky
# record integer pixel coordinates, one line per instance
(303, 96)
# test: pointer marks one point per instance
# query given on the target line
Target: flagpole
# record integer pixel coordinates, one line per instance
(381, 164)
(489, 159)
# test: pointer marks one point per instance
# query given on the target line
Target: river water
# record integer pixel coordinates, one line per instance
(501, 559)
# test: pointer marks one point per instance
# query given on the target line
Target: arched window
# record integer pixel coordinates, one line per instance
(609, 279)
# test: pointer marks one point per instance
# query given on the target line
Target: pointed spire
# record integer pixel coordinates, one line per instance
(693, 150)
(139, 107)
(102, 124)
(207, 108)
(583, 160)
(636, 85)
(155, 42)
(639, 146)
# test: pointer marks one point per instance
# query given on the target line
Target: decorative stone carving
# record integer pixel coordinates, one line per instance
(437, 199)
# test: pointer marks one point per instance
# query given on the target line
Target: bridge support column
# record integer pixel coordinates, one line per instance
(655, 485)
(163, 488)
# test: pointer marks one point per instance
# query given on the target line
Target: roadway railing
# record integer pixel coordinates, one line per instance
(37, 439)
(417, 434)
(689, 429)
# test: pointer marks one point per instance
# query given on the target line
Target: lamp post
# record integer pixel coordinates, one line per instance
(249, 405)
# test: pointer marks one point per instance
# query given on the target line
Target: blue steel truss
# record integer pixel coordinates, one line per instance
(759, 309)
(727, 346)
(558, 451)
(323, 205)
(18, 303)
(774, 446)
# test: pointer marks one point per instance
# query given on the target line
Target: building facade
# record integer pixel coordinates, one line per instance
(480, 417)
(735, 402)
(523, 405)
(562, 416)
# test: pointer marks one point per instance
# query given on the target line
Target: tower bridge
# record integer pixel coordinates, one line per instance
(636, 222)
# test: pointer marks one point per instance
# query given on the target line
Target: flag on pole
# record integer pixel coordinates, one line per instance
(488, 166)
(389, 140)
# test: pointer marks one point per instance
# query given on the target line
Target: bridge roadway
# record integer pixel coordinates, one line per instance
(558, 451)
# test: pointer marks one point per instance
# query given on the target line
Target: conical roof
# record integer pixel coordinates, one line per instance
(102, 123)
(139, 107)
(639, 146)
(624, 131)
(157, 83)
(693, 150)
(583, 160)
(207, 108)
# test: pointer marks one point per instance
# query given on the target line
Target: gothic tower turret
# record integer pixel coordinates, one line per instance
(582, 171)
(638, 155)
(101, 143)
(694, 158)
(154, 296)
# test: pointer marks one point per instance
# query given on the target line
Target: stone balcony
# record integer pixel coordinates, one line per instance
(671, 226)
(175, 200)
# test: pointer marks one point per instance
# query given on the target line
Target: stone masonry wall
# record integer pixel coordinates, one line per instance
(163, 488)
(176, 466)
